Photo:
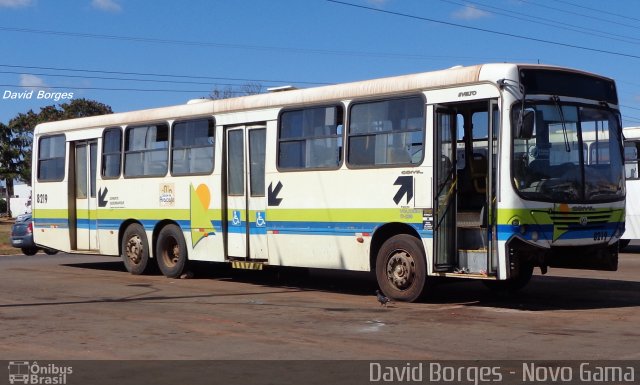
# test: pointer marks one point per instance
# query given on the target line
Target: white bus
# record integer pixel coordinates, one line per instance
(451, 173)
(631, 163)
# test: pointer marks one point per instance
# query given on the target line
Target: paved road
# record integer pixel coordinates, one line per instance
(88, 307)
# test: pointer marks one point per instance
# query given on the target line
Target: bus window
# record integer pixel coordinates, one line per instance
(631, 159)
(51, 156)
(192, 147)
(310, 138)
(111, 152)
(384, 133)
(146, 150)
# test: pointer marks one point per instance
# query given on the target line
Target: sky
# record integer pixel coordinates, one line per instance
(137, 54)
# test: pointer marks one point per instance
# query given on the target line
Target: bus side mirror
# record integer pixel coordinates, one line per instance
(526, 125)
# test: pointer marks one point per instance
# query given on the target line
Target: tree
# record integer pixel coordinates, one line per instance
(16, 138)
(228, 92)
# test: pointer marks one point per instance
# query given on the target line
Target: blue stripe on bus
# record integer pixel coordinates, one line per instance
(546, 231)
(505, 232)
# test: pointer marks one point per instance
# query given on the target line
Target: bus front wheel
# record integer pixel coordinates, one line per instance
(171, 250)
(135, 252)
(401, 268)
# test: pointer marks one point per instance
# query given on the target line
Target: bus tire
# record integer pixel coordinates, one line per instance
(512, 285)
(135, 249)
(401, 268)
(623, 243)
(50, 251)
(171, 251)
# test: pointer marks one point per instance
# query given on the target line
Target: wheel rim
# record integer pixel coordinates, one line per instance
(401, 269)
(171, 252)
(135, 249)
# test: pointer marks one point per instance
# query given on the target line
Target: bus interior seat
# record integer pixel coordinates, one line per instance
(478, 175)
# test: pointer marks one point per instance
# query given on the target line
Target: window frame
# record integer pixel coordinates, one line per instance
(341, 153)
(120, 152)
(40, 160)
(125, 152)
(348, 135)
(172, 148)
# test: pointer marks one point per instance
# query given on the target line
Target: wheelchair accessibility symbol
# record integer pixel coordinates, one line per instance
(260, 222)
(235, 221)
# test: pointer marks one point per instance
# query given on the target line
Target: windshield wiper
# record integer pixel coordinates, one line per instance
(556, 101)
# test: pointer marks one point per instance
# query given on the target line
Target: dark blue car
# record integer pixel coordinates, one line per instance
(22, 236)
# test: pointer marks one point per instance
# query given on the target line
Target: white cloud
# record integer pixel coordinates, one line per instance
(15, 3)
(106, 5)
(470, 12)
(32, 81)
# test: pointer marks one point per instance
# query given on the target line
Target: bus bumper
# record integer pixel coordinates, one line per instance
(594, 257)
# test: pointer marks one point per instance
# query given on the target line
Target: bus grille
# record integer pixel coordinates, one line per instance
(566, 221)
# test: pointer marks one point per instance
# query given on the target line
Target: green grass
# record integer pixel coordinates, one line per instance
(5, 242)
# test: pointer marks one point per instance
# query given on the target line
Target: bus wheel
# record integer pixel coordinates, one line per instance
(135, 252)
(50, 251)
(623, 243)
(171, 251)
(512, 285)
(401, 268)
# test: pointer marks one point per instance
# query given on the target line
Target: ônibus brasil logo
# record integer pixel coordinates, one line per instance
(25, 372)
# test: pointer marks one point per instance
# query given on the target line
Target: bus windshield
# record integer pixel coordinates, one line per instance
(574, 153)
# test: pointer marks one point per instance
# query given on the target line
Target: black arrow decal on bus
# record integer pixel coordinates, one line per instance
(406, 187)
(102, 197)
(272, 197)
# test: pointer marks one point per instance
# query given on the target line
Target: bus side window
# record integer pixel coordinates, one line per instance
(192, 147)
(146, 150)
(310, 138)
(51, 158)
(631, 159)
(111, 152)
(386, 133)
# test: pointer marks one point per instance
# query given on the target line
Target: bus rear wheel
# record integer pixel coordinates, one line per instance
(135, 252)
(171, 250)
(401, 268)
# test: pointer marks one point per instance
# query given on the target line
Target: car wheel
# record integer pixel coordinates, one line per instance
(29, 250)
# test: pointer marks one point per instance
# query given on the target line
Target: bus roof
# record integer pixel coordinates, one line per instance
(367, 88)
(631, 132)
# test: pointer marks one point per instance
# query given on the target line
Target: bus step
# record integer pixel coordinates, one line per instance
(472, 261)
(247, 265)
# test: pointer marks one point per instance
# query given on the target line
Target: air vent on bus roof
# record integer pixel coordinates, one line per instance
(281, 89)
(196, 101)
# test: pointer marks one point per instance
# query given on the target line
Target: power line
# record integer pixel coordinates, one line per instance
(485, 30)
(597, 10)
(102, 88)
(227, 45)
(157, 74)
(122, 79)
(548, 22)
(579, 14)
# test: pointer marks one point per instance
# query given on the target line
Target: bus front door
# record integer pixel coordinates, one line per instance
(245, 220)
(85, 214)
(466, 151)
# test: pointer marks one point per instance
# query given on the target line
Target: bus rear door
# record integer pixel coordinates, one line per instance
(245, 220)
